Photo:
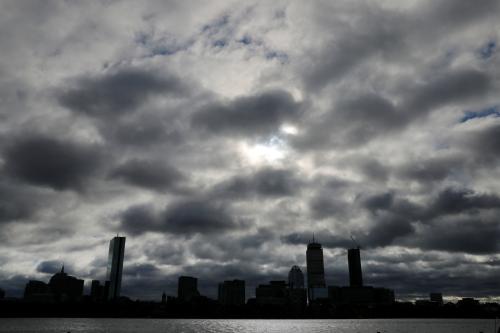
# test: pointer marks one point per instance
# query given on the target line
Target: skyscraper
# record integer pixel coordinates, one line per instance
(355, 274)
(295, 278)
(115, 266)
(315, 270)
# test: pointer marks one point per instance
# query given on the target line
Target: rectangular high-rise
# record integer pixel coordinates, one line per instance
(355, 274)
(115, 266)
(232, 293)
(315, 270)
(187, 288)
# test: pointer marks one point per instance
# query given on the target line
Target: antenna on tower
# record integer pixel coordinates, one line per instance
(355, 243)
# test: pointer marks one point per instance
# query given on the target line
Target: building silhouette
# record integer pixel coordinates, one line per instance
(65, 287)
(115, 266)
(357, 293)
(295, 278)
(355, 273)
(316, 286)
(99, 292)
(232, 293)
(163, 298)
(187, 288)
(37, 291)
(360, 295)
(436, 297)
(274, 293)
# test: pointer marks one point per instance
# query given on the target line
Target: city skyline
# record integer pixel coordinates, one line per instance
(232, 292)
(218, 136)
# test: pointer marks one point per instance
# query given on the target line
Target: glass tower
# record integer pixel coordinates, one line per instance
(115, 266)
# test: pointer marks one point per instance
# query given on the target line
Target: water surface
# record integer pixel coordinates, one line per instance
(91, 325)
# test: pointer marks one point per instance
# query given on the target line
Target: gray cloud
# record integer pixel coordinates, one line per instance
(475, 236)
(151, 174)
(183, 218)
(116, 93)
(451, 87)
(267, 182)
(45, 161)
(454, 201)
(52, 267)
(356, 120)
(250, 115)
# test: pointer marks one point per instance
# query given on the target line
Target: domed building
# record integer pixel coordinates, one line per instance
(295, 278)
(65, 287)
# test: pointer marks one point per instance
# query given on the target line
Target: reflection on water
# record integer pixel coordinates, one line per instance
(50, 325)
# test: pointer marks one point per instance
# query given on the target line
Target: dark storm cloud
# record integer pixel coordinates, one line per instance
(16, 202)
(386, 34)
(268, 182)
(454, 201)
(386, 231)
(250, 115)
(366, 115)
(182, 218)
(352, 121)
(46, 161)
(396, 219)
(483, 144)
(142, 131)
(453, 14)
(379, 201)
(356, 120)
(323, 206)
(141, 270)
(383, 202)
(342, 54)
(449, 201)
(475, 236)
(115, 93)
(451, 87)
(151, 174)
(430, 170)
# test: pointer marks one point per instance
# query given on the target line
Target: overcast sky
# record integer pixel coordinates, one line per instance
(217, 136)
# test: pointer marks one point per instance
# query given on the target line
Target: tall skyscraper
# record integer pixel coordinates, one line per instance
(295, 278)
(315, 270)
(115, 266)
(355, 274)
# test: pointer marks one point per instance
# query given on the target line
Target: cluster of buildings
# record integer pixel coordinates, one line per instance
(294, 293)
(64, 287)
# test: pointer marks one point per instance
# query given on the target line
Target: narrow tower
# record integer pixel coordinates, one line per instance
(115, 266)
(355, 274)
(315, 269)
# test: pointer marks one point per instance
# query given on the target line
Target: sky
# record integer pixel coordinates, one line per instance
(218, 136)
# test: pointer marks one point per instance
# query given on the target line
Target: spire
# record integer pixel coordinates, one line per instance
(62, 268)
(313, 237)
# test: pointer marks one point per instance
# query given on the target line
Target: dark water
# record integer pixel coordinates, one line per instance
(29, 325)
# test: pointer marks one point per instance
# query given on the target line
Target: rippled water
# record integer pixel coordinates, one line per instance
(29, 325)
